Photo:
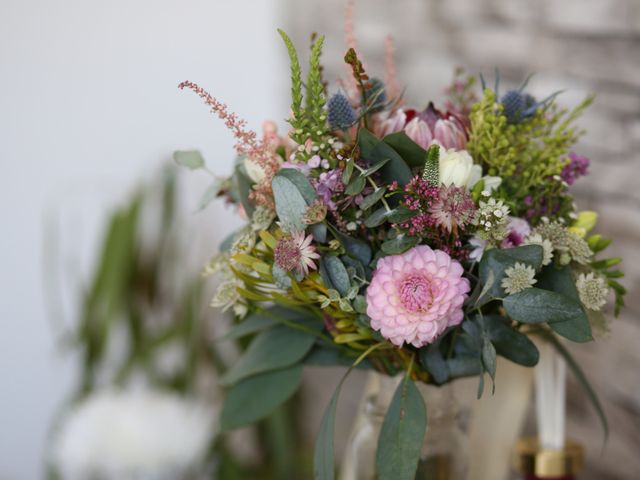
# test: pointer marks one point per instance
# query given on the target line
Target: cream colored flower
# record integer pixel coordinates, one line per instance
(457, 168)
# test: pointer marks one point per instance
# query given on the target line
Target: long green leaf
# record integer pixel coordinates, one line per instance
(323, 464)
(256, 397)
(402, 434)
(273, 349)
(564, 314)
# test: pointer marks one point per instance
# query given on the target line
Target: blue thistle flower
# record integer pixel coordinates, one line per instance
(514, 103)
(376, 96)
(341, 113)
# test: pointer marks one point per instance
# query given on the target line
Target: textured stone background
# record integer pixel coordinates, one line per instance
(581, 46)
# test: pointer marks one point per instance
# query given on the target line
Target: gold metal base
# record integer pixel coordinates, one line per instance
(530, 459)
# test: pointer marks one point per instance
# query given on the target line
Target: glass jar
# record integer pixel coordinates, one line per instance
(444, 449)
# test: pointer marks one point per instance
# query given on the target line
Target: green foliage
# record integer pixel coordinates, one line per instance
(309, 122)
(191, 159)
(296, 83)
(374, 150)
(401, 435)
(525, 154)
(399, 244)
(337, 274)
(290, 203)
(256, 397)
(273, 349)
(323, 463)
(564, 314)
(494, 263)
(315, 94)
(412, 153)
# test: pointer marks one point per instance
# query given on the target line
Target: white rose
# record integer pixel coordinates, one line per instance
(457, 168)
(255, 171)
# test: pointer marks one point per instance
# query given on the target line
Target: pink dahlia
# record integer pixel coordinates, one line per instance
(415, 296)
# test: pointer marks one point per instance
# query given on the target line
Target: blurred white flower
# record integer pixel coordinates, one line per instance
(148, 435)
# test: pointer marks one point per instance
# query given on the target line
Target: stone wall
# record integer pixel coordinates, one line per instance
(580, 46)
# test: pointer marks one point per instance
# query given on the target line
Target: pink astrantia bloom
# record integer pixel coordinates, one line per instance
(415, 296)
(295, 252)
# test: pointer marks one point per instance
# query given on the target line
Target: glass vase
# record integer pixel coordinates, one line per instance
(445, 445)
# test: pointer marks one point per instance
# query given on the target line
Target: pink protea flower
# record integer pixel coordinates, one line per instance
(415, 296)
(428, 127)
(295, 252)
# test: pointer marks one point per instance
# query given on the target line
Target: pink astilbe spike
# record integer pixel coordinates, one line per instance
(349, 83)
(247, 143)
(390, 73)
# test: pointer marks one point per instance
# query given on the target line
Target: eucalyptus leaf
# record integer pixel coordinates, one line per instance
(375, 150)
(412, 153)
(399, 245)
(564, 314)
(209, 194)
(338, 274)
(256, 397)
(374, 168)
(377, 218)
(323, 457)
(373, 198)
(301, 182)
(496, 260)
(355, 247)
(432, 359)
(402, 434)
(254, 323)
(356, 185)
(273, 349)
(402, 214)
(242, 185)
(509, 342)
(489, 359)
(191, 159)
(290, 203)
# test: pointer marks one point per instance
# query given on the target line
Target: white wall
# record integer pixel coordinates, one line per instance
(89, 106)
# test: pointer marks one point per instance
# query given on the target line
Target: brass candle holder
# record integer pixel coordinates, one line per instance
(533, 461)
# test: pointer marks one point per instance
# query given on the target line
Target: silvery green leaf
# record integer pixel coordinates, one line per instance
(290, 204)
(338, 274)
(371, 199)
(402, 434)
(256, 397)
(191, 159)
(280, 277)
(356, 185)
(360, 304)
(334, 295)
(209, 194)
(300, 181)
(345, 306)
(374, 168)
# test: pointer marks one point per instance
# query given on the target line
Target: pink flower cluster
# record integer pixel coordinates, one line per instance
(415, 296)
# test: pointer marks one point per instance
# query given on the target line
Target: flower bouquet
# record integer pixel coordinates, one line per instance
(416, 242)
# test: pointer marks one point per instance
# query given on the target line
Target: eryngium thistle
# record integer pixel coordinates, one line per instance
(517, 106)
(593, 291)
(341, 114)
(519, 277)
